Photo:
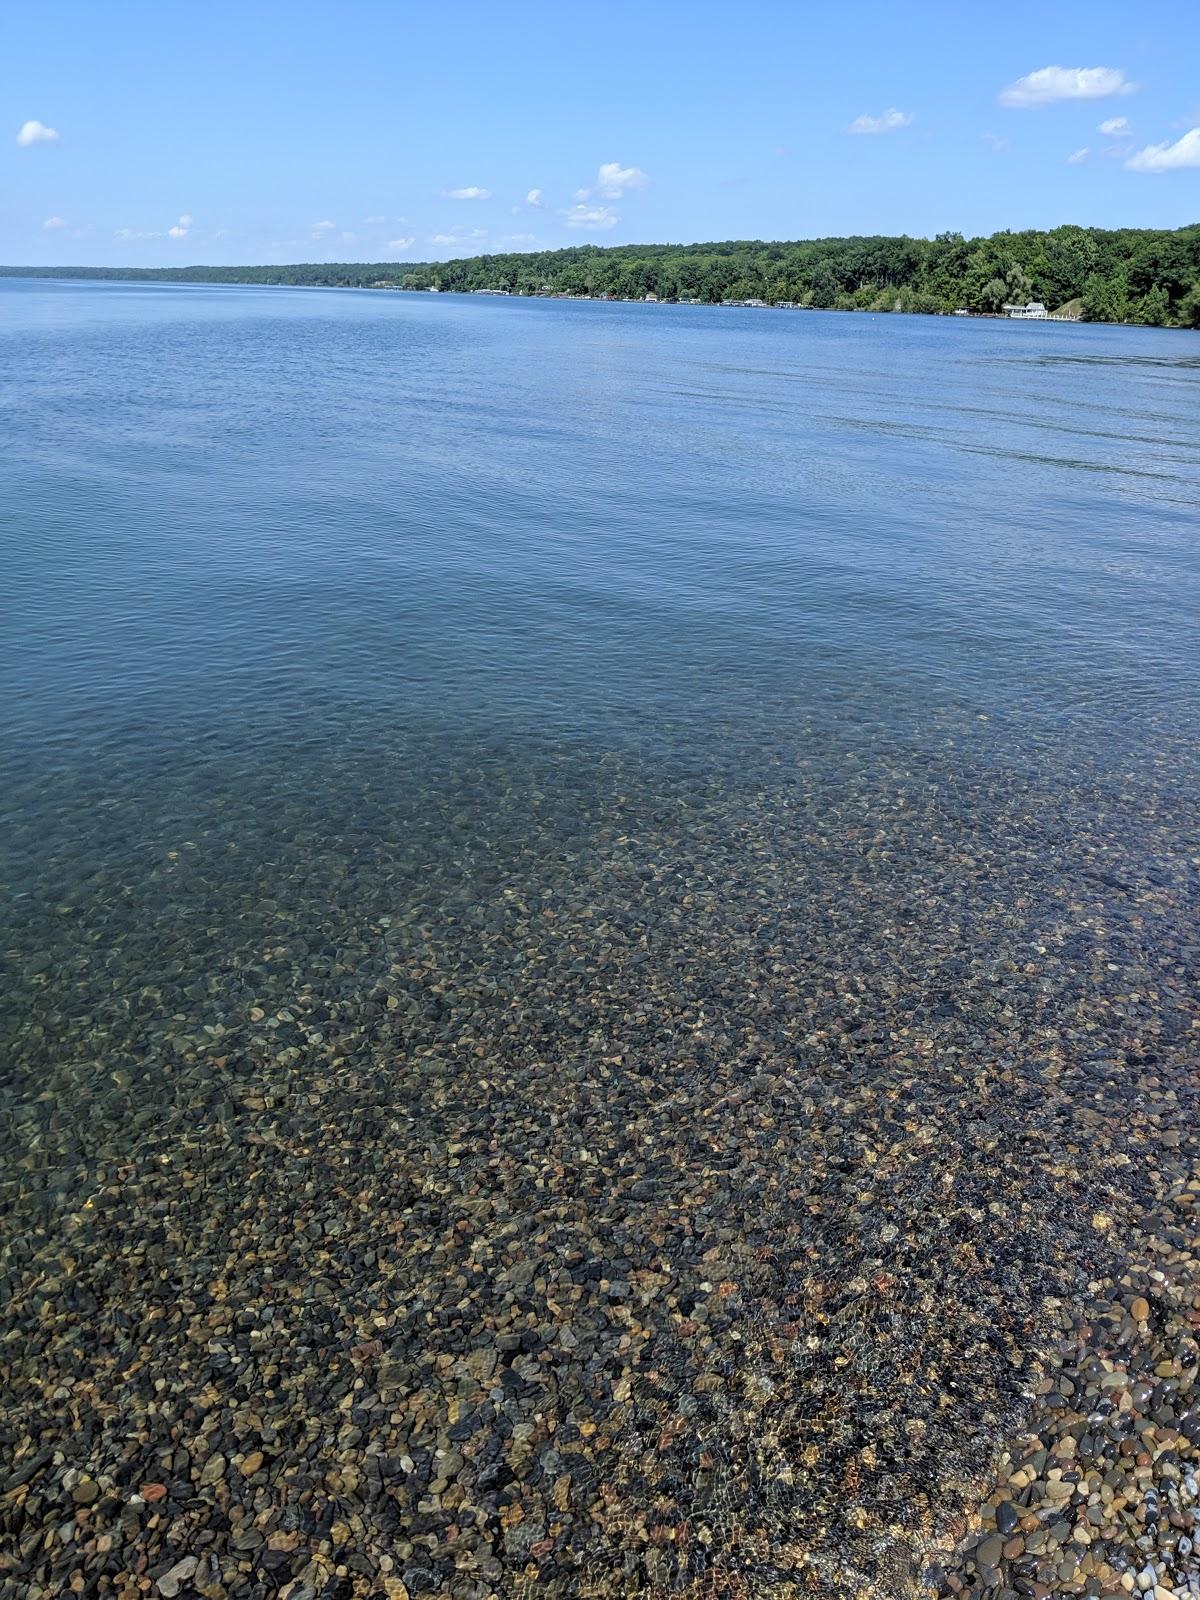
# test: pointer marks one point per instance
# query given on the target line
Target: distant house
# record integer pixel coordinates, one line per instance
(435, 288)
(785, 305)
(1035, 311)
(651, 299)
(754, 302)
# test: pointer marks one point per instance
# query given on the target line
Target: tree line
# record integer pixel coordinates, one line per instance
(1140, 275)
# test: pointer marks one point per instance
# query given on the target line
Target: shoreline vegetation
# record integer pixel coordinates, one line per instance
(1144, 276)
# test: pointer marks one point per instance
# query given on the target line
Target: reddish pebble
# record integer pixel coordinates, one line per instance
(153, 1491)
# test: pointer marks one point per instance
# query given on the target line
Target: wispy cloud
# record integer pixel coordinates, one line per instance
(181, 229)
(471, 192)
(1114, 125)
(1048, 85)
(1078, 157)
(595, 218)
(324, 227)
(996, 142)
(397, 246)
(52, 224)
(35, 132)
(534, 197)
(887, 122)
(1185, 152)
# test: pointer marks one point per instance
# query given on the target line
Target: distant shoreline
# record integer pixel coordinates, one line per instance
(169, 277)
(1149, 277)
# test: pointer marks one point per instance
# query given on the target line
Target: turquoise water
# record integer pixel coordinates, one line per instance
(437, 723)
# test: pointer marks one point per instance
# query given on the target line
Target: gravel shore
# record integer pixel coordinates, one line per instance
(590, 1186)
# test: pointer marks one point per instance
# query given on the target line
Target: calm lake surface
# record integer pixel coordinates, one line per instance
(507, 798)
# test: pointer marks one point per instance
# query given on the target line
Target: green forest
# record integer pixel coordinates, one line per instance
(1137, 275)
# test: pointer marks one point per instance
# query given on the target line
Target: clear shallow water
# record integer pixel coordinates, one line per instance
(518, 729)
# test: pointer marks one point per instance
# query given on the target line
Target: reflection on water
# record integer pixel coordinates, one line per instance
(594, 916)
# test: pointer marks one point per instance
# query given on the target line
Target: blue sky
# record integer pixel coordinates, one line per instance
(148, 133)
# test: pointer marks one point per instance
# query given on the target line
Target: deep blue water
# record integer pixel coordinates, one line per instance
(262, 515)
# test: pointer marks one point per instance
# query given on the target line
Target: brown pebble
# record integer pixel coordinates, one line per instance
(1139, 1309)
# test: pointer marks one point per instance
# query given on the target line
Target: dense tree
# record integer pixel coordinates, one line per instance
(1104, 299)
(992, 294)
(1154, 307)
(1147, 275)
(1188, 310)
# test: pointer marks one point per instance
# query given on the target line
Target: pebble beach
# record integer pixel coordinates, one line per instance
(632, 1228)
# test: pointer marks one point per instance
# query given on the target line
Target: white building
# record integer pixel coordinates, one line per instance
(1034, 311)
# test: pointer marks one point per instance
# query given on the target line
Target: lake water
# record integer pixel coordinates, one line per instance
(510, 798)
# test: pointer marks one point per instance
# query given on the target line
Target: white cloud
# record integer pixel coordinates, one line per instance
(995, 142)
(398, 245)
(1048, 85)
(52, 224)
(324, 227)
(613, 180)
(1078, 157)
(534, 197)
(591, 217)
(890, 120)
(37, 133)
(471, 192)
(459, 236)
(1112, 125)
(181, 229)
(1185, 152)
